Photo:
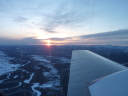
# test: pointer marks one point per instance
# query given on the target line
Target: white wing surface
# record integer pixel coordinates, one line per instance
(113, 85)
(86, 67)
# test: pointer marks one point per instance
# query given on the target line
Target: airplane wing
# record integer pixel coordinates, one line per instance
(86, 67)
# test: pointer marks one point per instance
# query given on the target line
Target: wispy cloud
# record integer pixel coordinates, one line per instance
(20, 19)
(65, 16)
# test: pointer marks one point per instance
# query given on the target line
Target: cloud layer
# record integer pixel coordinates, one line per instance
(119, 37)
(24, 41)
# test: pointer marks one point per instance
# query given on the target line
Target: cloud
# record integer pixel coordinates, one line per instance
(24, 41)
(119, 33)
(60, 39)
(65, 15)
(69, 19)
(119, 37)
(20, 19)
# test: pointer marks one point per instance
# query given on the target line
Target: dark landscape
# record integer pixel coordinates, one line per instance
(38, 70)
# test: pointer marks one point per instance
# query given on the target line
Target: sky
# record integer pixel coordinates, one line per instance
(63, 22)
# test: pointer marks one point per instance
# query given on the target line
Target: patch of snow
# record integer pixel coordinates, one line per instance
(53, 72)
(64, 60)
(5, 65)
(9, 75)
(46, 85)
(37, 67)
(25, 71)
(1, 81)
(40, 58)
(28, 80)
(24, 64)
(15, 76)
(47, 74)
(38, 93)
(54, 84)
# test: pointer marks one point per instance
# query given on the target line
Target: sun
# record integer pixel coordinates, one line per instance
(48, 43)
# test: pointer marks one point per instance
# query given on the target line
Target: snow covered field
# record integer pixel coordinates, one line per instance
(40, 58)
(5, 65)
(30, 74)
(32, 71)
(53, 72)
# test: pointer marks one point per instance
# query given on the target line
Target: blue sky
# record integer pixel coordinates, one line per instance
(63, 21)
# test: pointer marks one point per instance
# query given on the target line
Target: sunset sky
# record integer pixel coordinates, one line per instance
(70, 22)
